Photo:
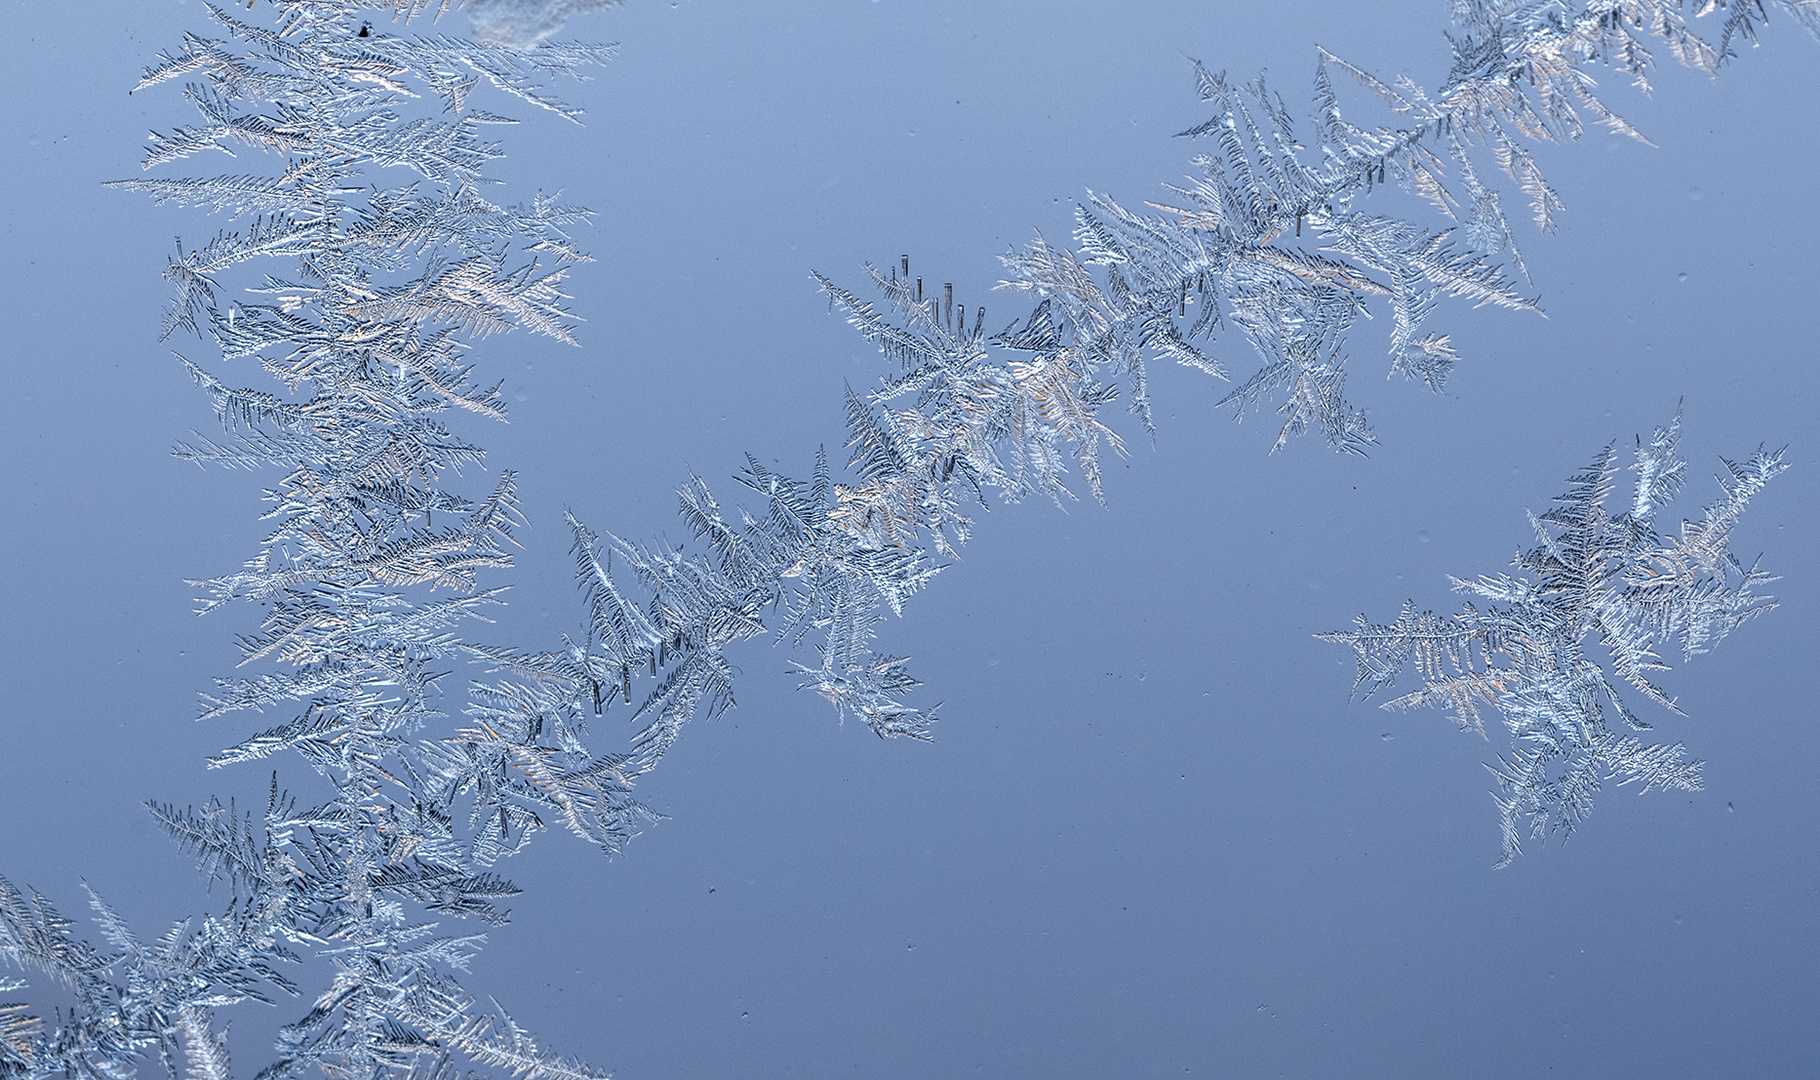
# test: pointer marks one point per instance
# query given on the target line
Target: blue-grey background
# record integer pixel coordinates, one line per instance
(1152, 836)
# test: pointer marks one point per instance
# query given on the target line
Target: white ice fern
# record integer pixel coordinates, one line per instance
(395, 261)
(1593, 573)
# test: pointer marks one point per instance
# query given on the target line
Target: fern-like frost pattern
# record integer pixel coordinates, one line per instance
(378, 552)
(1271, 241)
(371, 567)
(1593, 572)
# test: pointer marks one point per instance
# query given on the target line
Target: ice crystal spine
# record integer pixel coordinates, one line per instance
(1593, 573)
(1271, 243)
(1263, 243)
(373, 563)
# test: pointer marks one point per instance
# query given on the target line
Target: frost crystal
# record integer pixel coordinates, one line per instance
(371, 564)
(393, 263)
(1592, 572)
(1273, 242)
